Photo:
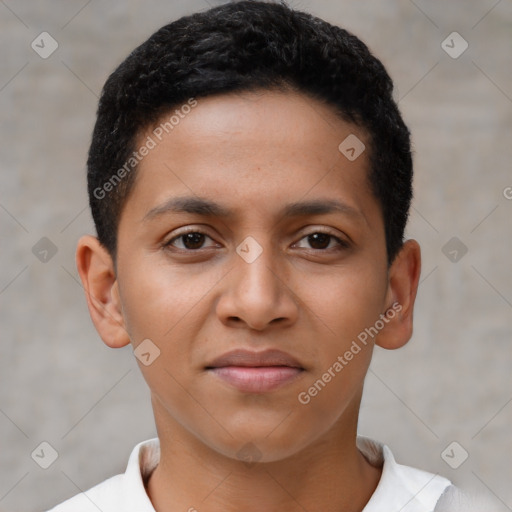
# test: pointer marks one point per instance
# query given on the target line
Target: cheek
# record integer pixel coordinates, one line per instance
(158, 299)
(343, 303)
(164, 305)
(346, 305)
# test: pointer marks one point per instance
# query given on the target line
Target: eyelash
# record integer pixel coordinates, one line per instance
(342, 244)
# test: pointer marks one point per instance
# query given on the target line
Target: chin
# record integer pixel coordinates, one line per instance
(254, 446)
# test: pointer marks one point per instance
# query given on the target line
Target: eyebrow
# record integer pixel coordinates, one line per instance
(208, 208)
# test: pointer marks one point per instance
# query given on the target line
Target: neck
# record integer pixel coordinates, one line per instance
(329, 475)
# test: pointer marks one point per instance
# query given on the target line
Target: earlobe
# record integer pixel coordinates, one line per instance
(97, 273)
(402, 288)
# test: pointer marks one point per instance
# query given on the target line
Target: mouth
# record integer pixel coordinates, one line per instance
(256, 372)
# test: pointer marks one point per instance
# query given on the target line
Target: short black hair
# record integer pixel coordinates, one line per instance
(248, 46)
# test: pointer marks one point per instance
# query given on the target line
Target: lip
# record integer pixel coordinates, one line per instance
(249, 358)
(256, 372)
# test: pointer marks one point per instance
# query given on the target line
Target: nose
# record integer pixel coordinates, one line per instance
(256, 293)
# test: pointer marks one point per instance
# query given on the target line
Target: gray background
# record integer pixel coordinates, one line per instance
(452, 382)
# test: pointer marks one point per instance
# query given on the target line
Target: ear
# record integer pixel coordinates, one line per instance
(98, 276)
(403, 281)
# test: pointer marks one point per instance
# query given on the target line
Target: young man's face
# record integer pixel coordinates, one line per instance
(296, 263)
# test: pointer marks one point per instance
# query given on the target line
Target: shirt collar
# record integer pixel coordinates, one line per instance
(400, 488)
(143, 460)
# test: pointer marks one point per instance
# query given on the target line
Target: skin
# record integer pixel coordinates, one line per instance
(253, 153)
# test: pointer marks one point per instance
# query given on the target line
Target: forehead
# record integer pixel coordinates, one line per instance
(255, 150)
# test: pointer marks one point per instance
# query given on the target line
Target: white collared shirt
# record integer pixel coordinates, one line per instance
(400, 489)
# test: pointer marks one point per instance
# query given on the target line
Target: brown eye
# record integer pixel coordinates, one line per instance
(321, 241)
(190, 241)
(193, 240)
